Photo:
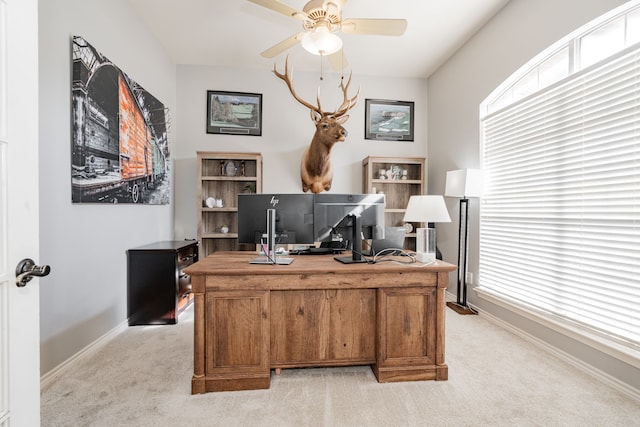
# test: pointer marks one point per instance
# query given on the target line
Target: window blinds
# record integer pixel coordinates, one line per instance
(560, 219)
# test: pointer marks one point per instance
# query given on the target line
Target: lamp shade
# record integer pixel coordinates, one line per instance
(426, 209)
(321, 42)
(464, 183)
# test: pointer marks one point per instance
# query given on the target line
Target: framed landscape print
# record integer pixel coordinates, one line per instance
(235, 113)
(388, 120)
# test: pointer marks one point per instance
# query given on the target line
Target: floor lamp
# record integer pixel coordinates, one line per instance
(463, 183)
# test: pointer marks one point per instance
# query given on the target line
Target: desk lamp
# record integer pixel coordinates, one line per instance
(463, 183)
(426, 209)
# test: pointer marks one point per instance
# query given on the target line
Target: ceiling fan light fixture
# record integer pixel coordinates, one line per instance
(321, 42)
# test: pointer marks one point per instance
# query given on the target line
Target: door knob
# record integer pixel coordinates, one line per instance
(26, 269)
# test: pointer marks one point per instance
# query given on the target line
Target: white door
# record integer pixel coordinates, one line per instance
(19, 306)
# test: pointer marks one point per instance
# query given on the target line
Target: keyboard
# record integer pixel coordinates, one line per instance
(315, 251)
(320, 251)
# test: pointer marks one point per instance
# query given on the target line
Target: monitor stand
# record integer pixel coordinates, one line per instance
(356, 242)
(270, 254)
(279, 260)
(349, 260)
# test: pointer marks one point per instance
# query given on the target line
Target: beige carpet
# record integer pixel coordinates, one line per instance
(143, 378)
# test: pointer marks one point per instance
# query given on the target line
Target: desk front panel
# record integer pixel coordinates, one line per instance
(323, 327)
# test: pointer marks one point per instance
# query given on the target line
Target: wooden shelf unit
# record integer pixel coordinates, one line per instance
(214, 181)
(397, 191)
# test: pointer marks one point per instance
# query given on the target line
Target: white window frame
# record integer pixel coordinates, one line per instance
(621, 348)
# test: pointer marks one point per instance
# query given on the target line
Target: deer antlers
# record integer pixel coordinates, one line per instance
(347, 103)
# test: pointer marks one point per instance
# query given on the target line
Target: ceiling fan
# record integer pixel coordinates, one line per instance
(321, 19)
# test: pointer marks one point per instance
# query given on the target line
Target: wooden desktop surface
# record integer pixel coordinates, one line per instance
(250, 318)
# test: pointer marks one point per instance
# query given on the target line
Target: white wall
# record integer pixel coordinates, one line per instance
(84, 297)
(287, 128)
(520, 31)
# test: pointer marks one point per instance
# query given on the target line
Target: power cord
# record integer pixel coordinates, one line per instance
(381, 255)
(271, 257)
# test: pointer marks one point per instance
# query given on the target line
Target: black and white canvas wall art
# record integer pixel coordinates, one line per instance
(119, 142)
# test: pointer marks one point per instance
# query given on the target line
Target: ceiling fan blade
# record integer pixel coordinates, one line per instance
(338, 60)
(285, 44)
(282, 8)
(382, 27)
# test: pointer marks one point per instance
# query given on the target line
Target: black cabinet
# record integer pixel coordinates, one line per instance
(157, 288)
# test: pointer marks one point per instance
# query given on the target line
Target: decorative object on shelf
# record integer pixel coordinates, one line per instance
(234, 113)
(388, 120)
(242, 168)
(224, 229)
(210, 202)
(408, 227)
(426, 209)
(320, 21)
(230, 168)
(405, 174)
(396, 172)
(383, 174)
(316, 172)
(249, 188)
(463, 183)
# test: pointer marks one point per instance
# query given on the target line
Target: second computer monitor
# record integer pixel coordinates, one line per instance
(349, 216)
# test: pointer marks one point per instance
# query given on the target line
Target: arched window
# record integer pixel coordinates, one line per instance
(560, 220)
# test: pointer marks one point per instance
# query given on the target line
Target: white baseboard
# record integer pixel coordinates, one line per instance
(48, 378)
(603, 377)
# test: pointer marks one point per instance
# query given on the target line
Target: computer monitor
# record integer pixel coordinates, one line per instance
(351, 217)
(293, 218)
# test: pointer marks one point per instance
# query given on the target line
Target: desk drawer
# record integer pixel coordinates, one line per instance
(187, 256)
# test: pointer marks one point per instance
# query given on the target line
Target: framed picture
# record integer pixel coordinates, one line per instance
(234, 113)
(388, 120)
(119, 134)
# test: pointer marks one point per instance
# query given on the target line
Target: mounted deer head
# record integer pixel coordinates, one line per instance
(316, 172)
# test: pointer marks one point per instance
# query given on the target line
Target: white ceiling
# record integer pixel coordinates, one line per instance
(232, 33)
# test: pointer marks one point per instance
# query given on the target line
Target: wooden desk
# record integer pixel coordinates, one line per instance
(315, 312)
